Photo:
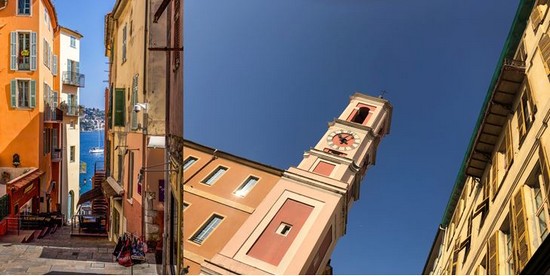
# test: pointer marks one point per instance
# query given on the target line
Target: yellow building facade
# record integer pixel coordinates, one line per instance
(497, 219)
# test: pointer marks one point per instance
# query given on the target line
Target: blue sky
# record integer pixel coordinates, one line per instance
(263, 78)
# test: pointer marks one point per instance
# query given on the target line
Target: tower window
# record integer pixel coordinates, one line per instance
(361, 115)
(283, 229)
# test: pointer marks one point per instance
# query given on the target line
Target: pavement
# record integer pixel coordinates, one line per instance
(62, 254)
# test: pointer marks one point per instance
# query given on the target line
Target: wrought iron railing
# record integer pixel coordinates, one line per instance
(74, 78)
(519, 64)
(73, 110)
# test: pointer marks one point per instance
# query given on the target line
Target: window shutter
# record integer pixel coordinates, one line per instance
(54, 100)
(544, 46)
(13, 93)
(54, 65)
(544, 167)
(521, 122)
(119, 107)
(494, 176)
(536, 18)
(45, 50)
(13, 51)
(509, 146)
(520, 231)
(33, 93)
(33, 51)
(492, 249)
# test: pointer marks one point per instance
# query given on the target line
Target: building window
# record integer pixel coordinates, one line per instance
(246, 186)
(124, 44)
(525, 113)
(23, 93)
(46, 54)
(23, 7)
(206, 229)
(23, 51)
(214, 176)
(508, 248)
(119, 107)
(73, 41)
(73, 153)
(188, 162)
(130, 175)
(283, 229)
(119, 166)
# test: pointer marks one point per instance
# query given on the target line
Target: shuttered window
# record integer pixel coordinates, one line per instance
(525, 113)
(520, 231)
(23, 51)
(492, 249)
(54, 66)
(544, 46)
(536, 18)
(494, 176)
(509, 150)
(119, 107)
(22, 93)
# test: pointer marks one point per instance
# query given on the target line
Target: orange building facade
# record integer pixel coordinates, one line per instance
(31, 132)
(242, 217)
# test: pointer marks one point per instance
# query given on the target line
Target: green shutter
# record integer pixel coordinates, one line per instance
(33, 93)
(13, 51)
(33, 51)
(13, 93)
(119, 107)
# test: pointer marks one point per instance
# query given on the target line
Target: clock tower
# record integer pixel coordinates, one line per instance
(296, 226)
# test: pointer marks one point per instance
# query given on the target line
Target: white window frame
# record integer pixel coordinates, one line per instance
(72, 41)
(245, 187)
(28, 80)
(188, 159)
(214, 176)
(206, 229)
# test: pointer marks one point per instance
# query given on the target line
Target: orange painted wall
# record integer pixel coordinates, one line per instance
(204, 201)
(18, 136)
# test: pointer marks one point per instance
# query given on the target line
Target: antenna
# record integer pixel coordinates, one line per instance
(382, 93)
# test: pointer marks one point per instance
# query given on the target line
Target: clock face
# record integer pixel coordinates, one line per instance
(343, 140)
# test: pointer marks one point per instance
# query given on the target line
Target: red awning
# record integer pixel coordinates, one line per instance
(22, 182)
(90, 195)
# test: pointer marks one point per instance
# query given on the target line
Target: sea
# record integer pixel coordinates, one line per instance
(88, 140)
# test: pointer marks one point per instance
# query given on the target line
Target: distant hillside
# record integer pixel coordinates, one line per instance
(92, 119)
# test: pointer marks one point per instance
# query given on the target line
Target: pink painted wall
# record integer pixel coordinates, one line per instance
(324, 168)
(327, 240)
(271, 246)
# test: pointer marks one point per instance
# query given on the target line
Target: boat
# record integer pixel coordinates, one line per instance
(96, 150)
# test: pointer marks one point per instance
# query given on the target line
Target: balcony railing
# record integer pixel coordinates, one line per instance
(52, 114)
(73, 78)
(73, 110)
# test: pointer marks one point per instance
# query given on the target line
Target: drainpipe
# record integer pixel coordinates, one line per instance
(167, 247)
(145, 119)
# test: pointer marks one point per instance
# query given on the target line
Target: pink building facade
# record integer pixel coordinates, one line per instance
(295, 227)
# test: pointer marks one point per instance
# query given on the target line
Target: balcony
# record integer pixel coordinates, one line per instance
(505, 89)
(52, 115)
(73, 78)
(70, 110)
(56, 155)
